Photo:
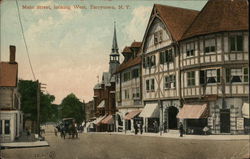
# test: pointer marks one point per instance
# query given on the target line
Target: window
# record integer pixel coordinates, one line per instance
(166, 56)
(190, 49)
(126, 76)
(126, 93)
(118, 96)
(209, 76)
(135, 73)
(7, 127)
(136, 93)
(236, 43)
(236, 75)
(149, 61)
(170, 82)
(209, 46)
(158, 37)
(150, 85)
(245, 74)
(191, 78)
(1, 127)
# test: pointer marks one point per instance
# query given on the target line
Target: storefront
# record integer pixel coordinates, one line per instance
(108, 123)
(131, 119)
(246, 116)
(150, 115)
(194, 117)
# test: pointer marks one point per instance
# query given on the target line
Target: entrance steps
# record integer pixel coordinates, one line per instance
(173, 131)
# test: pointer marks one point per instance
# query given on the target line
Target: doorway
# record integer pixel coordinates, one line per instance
(225, 120)
(172, 120)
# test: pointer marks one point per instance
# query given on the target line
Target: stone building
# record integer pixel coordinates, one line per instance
(128, 88)
(187, 72)
(11, 117)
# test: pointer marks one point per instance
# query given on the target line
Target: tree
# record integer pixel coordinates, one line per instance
(28, 91)
(72, 107)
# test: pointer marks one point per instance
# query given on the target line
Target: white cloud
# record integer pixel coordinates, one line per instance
(136, 27)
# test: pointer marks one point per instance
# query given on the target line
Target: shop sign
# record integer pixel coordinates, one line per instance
(240, 123)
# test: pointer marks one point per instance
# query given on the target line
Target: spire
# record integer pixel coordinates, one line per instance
(114, 45)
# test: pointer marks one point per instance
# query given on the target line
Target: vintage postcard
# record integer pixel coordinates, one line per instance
(124, 79)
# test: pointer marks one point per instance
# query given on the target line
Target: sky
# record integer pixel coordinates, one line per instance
(69, 48)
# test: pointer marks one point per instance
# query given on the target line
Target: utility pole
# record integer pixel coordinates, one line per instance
(38, 107)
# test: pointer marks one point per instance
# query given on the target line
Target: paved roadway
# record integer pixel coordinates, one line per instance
(105, 146)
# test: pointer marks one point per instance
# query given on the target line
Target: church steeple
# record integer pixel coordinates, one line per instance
(114, 57)
(114, 45)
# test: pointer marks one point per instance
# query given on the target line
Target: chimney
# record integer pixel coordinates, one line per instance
(12, 54)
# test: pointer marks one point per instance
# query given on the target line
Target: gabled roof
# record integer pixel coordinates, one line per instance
(8, 74)
(129, 63)
(176, 19)
(220, 15)
(136, 44)
(126, 50)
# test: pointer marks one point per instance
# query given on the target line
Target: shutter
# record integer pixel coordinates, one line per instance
(202, 77)
(218, 75)
(144, 62)
(162, 58)
(239, 43)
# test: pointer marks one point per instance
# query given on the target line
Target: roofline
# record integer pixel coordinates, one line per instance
(194, 36)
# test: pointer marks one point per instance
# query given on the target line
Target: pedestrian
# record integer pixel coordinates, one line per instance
(136, 128)
(55, 130)
(181, 129)
(155, 124)
(141, 127)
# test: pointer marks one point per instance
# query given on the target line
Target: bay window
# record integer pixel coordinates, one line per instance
(191, 78)
(236, 43)
(190, 49)
(209, 45)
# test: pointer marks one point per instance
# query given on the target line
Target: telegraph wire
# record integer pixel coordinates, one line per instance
(25, 43)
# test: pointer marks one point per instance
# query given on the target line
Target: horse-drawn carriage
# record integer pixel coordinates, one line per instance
(68, 127)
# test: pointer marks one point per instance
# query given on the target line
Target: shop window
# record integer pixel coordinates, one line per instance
(7, 127)
(169, 82)
(209, 45)
(1, 127)
(191, 78)
(236, 43)
(135, 73)
(190, 49)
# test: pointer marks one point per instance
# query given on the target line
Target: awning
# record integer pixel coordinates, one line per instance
(99, 119)
(132, 114)
(102, 104)
(245, 110)
(150, 111)
(108, 120)
(193, 111)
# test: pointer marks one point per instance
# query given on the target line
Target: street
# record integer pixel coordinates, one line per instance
(106, 146)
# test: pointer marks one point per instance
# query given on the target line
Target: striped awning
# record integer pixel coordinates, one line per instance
(99, 119)
(150, 111)
(193, 111)
(108, 120)
(132, 114)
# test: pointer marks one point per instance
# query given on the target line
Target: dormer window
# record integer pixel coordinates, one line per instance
(190, 49)
(209, 46)
(158, 37)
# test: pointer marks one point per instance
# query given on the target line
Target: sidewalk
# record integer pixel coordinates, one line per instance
(177, 136)
(25, 141)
